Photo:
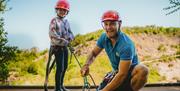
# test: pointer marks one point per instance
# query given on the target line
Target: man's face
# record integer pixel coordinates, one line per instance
(62, 12)
(111, 28)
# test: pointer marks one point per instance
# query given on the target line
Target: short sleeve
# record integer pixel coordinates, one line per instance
(100, 42)
(127, 52)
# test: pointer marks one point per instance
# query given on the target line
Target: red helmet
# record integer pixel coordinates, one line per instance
(63, 4)
(110, 15)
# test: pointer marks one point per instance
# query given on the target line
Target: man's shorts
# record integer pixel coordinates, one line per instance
(126, 85)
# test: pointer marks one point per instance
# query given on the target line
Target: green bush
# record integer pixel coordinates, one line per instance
(82, 39)
(33, 69)
(4, 72)
(152, 29)
(161, 48)
(177, 47)
(43, 52)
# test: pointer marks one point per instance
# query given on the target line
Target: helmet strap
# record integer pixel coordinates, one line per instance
(119, 23)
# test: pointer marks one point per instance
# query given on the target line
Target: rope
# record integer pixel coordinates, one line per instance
(86, 83)
(48, 69)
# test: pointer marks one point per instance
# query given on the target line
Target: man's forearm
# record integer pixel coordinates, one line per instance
(120, 76)
(90, 58)
(115, 83)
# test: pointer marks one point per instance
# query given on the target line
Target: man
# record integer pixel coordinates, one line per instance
(130, 75)
(60, 35)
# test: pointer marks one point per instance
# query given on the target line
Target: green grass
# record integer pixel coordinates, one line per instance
(154, 75)
(33, 73)
(98, 69)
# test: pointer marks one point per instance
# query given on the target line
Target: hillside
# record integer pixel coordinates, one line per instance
(159, 51)
(157, 47)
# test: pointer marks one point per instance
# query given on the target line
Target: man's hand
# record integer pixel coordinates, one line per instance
(85, 70)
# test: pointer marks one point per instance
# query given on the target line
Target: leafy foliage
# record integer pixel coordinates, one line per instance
(175, 6)
(25, 63)
(2, 5)
(7, 53)
(81, 39)
(3, 71)
(153, 30)
(33, 69)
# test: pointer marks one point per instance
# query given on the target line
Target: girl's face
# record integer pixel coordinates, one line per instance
(61, 12)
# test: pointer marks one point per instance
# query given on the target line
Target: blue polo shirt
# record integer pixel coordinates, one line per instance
(123, 49)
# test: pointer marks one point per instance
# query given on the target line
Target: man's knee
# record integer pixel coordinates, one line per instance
(145, 71)
(139, 76)
(141, 70)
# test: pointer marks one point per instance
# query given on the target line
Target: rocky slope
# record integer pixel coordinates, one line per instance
(158, 50)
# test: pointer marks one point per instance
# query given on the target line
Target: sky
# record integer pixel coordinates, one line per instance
(27, 23)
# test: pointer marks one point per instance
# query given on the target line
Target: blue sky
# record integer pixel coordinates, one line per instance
(27, 23)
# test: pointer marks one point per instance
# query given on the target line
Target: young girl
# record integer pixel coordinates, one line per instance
(60, 35)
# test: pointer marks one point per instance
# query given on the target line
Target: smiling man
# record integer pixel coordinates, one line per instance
(128, 74)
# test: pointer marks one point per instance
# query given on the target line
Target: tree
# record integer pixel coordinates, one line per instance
(175, 6)
(7, 52)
